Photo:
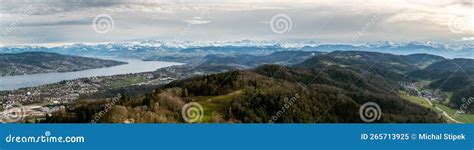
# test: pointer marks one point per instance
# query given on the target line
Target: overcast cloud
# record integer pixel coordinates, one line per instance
(345, 21)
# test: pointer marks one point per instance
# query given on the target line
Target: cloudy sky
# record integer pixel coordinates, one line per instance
(330, 21)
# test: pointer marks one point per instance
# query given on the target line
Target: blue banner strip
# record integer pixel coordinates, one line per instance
(237, 136)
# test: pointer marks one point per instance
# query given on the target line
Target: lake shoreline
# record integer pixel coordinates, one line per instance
(10, 83)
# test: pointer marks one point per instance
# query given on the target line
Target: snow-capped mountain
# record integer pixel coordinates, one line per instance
(151, 48)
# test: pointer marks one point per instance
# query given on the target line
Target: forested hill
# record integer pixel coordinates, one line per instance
(326, 88)
(45, 62)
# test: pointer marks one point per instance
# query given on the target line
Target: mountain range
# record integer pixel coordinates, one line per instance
(160, 49)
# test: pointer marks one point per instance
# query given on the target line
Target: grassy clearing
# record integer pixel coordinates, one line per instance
(415, 99)
(449, 94)
(215, 104)
(126, 81)
(425, 82)
(466, 118)
(426, 64)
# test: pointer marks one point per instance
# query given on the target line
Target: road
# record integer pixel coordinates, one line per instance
(442, 111)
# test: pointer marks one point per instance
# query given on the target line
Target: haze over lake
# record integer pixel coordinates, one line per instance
(32, 80)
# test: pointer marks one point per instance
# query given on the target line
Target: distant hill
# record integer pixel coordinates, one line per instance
(452, 65)
(423, 60)
(45, 62)
(249, 61)
(221, 63)
(163, 50)
(391, 67)
(449, 74)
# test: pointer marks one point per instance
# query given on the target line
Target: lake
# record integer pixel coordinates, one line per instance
(32, 80)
